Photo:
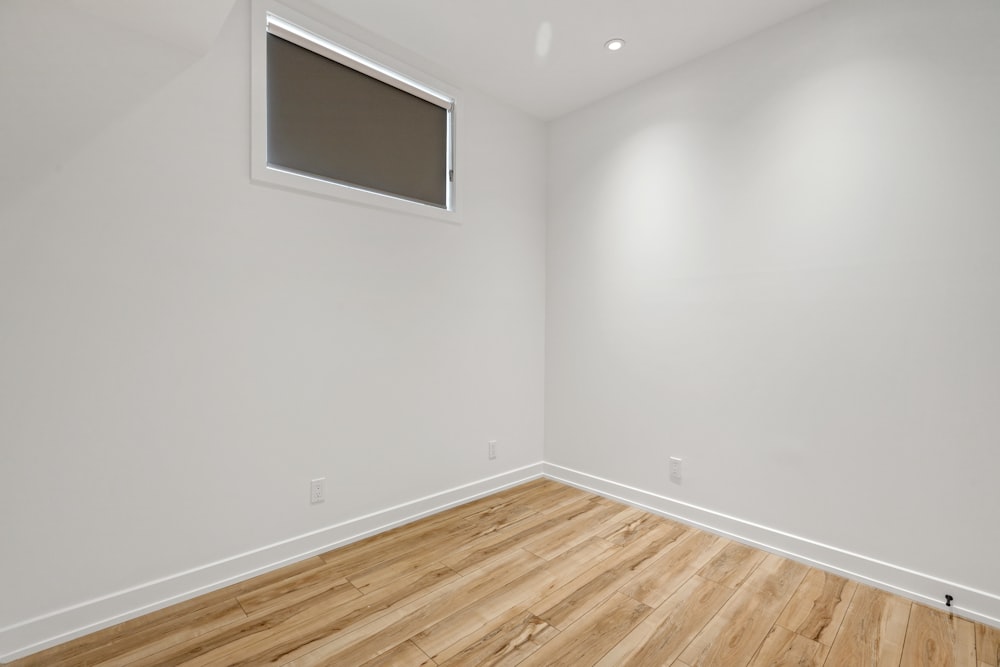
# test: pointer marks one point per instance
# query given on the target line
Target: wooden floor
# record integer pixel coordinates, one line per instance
(541, 575)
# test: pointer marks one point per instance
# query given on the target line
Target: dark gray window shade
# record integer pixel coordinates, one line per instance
(327, 120)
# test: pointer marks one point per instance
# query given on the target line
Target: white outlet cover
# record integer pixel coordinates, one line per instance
(317, 490)
(675, 469)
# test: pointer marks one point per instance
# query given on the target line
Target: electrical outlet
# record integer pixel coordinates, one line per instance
(317, 490)
(491, 449)
(675, 469)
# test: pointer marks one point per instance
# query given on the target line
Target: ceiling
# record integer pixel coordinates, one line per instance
(547, 57)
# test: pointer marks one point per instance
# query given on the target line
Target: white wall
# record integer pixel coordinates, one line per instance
(777, 262)
(182, 350)
(780, 263)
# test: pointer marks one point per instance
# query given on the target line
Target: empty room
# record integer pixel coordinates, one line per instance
(546, 332)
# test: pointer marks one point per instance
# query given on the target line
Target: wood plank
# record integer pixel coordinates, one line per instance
(678, 563)
(364, 643)
(486, 504)
(445, 530)
(143, 642)
(520, 635)
(496, 515)
(468, 624)
(872, 632)
(587, 640)
(732, 565)
(636, 523)
(565, 605)
(734, 634)
(573, 530)
(383, 562)
(386, 573)
(432, 538)
(552, 497)
(473, 556)
(289, 629)
(71, 653)
(988, 645)
(296, 589)
(936, 638)
(661, 637)
(784, 648)
(818, 606)
(404, 655)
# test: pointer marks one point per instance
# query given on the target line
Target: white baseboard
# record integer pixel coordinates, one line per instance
(36, 634)
(969, 603)
(39, 633)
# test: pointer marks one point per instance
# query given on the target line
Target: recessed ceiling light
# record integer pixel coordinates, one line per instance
(614, 44)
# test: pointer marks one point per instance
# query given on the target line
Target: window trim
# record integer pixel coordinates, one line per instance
(320, 32)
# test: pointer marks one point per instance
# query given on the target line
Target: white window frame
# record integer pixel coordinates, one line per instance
(313, 28)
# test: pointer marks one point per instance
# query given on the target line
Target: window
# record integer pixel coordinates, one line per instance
(331, 121)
